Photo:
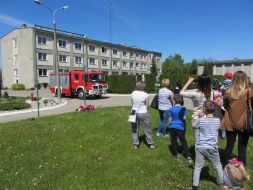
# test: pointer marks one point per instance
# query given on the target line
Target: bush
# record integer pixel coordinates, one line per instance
(122, 84)
(18, 86)
(150, 83)
(14, 105)
(6, 95)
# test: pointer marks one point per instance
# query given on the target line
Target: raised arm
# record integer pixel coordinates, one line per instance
(190, 80)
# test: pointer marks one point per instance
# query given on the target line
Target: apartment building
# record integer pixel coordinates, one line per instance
(25, 47)
(231, 66)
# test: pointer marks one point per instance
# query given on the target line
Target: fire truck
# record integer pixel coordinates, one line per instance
(78, 83)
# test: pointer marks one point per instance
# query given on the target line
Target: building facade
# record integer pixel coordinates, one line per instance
(25, 47)
(222, 67)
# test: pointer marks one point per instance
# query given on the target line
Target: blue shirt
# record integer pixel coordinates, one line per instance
(177, 114)
(208, 132)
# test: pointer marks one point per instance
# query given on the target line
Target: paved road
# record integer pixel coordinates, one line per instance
(110, 100)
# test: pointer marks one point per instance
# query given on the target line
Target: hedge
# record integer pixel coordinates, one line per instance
(18, 86)
(150, 83)
(14, 105)
(121, 84)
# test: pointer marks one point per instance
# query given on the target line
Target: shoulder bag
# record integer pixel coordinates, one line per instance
(154, 103)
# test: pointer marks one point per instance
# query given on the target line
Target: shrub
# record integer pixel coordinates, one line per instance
(14, 105)
(6, 95)
(122, 84)
(18, 86)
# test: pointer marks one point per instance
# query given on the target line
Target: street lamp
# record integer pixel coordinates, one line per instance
(55, 63)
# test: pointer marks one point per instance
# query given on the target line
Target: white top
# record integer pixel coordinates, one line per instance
(198, 99)
(139, 97)
(163, 99)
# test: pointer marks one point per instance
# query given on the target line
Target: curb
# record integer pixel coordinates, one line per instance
(33, 110)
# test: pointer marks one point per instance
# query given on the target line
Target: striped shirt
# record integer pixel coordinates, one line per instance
(208, 132)
(164, 99)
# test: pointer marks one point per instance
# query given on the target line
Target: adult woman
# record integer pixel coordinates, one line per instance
(198, 97)
(139, 106)
(235, 102)
(165, 97)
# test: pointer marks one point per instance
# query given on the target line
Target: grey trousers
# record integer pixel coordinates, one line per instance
(143, 120)
(213, 156)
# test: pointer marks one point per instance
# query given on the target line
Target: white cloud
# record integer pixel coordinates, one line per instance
(13, 21)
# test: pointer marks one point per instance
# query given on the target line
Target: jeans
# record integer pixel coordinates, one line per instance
(162, 126)
(213, 156)
(243, 138)
(143, 120)
(174, 133)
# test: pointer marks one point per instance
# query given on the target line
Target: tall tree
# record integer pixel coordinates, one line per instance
(153, 68)
(208, 67)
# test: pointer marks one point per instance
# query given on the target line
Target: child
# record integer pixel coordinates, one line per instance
(234, 175)
(206, 144)
(177, 116)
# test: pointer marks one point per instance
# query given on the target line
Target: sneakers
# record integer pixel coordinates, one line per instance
(175, 157)
(165, 136)
(135, 147)
(152, 146)
(189, 159)
(158, 134)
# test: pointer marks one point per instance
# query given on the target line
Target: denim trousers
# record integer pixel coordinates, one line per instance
(213, 156)
(142, 119)
(162, 125)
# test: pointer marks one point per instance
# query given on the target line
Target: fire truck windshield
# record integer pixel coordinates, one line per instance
(97, 77)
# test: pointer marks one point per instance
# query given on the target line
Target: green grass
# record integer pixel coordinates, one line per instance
(92, 150)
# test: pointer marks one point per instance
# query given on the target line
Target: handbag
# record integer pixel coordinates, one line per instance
(249, 119)
(154, 103)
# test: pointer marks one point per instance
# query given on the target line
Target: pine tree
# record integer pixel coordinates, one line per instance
(153, 68)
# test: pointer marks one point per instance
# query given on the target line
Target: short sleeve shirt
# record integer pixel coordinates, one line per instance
(177, 114)
(163, 99)
(138, 101)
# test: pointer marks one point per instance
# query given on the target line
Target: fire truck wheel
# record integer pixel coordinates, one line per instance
(97, 96)
(80, 93)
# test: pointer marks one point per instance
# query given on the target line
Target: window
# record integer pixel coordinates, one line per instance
(76, 77)
(42, 56)
(63, 58)
(124, 63)
(14, 42)
(92, 61)
(131, 54)
(91, 48)
(62, 43)
(42, 40)
(131, 64)
(104, 62)
(43, 72)
(78, 59)
(114, 52)
(15, 72)
(63, 71)
(114, 63)
(103, 50)
(137, 55)
(137, 64)
(78, 46)
(124, 53)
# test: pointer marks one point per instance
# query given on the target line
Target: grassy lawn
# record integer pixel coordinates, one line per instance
(92, 150)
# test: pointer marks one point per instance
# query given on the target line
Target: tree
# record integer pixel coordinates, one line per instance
(208, 67)
(153, 68)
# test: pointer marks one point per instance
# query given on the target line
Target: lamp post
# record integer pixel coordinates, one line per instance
(55, 62)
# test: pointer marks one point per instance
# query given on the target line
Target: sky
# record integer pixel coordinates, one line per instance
(195, 29)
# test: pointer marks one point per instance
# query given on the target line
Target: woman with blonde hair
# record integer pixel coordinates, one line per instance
(165, 97)
(234, 121)
(140, 104)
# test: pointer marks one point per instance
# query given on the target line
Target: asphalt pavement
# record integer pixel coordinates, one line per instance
(109, 100)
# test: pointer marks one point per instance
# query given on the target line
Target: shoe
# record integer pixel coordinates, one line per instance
(158, 134)
(135, 147)
(152, 146)
(166, 136)
(189, 159)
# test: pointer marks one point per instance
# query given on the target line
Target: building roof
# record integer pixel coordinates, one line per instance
(230, 61)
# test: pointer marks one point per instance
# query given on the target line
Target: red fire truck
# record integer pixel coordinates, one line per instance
(75, 83)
